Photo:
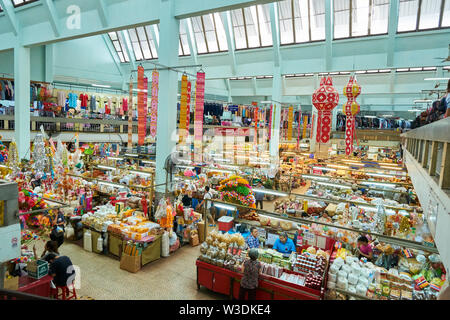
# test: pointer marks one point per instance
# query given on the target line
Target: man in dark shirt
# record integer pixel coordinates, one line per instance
(61, 269)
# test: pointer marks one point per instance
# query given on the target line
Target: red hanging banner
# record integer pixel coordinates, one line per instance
(256, 125)
(188, 109)
(298, 127)
(130, 116)
(183, 110)
(154, 103)
(141, 106)
(351, 108)
(198, 121)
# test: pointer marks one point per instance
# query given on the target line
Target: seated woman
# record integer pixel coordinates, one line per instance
(364, 248)
(50, 247)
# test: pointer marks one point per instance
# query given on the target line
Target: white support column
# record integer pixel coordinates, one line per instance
(168, 88)
(22, 100)
(329, 33)
(49, 68)
(276, 116)
(392, 32)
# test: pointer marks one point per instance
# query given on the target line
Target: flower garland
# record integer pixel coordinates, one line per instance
(237, 190)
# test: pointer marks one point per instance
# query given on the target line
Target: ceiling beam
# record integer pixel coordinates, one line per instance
(53, 17)
(191, 39)
(226, 18)
(392, 32)
(8, 8)
(103, 13)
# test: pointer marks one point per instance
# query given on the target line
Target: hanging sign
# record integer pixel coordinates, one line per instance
(141, 107)
(130, 117)
(183, 109)
(154, 103)
(198, 121)
(290, 122)
(298, 126)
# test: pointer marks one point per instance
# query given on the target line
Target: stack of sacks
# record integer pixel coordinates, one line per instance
(351, 275)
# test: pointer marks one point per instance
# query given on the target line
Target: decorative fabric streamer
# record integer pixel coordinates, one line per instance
(305, 125)
(256, 125)
(154, 103)
(298, 125)
(130, 116)
(325, 99)
(141, 108)
(198, 121)
(188, 106)
(183, 110)
(290, 119)
(270, 121)
(351, 108)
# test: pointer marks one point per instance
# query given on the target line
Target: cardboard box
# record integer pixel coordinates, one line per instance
(130, 263)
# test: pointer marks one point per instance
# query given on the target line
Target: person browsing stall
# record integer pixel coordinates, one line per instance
(249, 282)
(208, 195)
(284, 245)
(259, 196)
(61, 269)
(252, 239)
(364, 248)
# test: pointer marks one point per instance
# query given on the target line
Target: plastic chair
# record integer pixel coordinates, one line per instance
(66, 293)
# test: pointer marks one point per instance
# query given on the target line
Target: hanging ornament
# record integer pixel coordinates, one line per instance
(142, 114)
(198, 117)
(40, 160)
(290, 120)
(130, 116)
(13, 158)
(351, 108)
(154, 103)
(325, 99)
(183, 110)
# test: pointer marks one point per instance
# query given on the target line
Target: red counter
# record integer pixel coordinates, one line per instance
(39, 287)
(227, 282)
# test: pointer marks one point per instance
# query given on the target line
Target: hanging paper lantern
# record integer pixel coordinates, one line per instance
(351, 108)
(325, 99)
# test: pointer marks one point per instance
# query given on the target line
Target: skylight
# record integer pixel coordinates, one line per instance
(119, 44)
(415, 15)
(18, 3)
(356, 18)
(301, 21)
(251, 27)
(209, 33)
(142, 43)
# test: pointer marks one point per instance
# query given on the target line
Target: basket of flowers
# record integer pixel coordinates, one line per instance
(237, 190)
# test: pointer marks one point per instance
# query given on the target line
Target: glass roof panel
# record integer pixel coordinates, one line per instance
(341, 19)
(360, 18)
(285, 22)
(379, 17)
(407, 16)
(119, 45)
(237, 20)
(221, 35)
(265, 28)
(446, 15)
(429, 14)
(17, 3)
(184, 49)
(210, 32)
(317, 14)
(199, 35)
(301, 20)
(251, 21)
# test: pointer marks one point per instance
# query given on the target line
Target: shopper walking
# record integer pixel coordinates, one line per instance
(209, 208)
(249, 282)
(259, 196)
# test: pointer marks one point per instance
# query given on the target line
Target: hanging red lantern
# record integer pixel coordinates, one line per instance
(325, 99)
(351, 109)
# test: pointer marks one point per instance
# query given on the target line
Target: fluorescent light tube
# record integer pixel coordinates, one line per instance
(141, 173)
(132, 155)
(100, 85)
(391, 168)
(109, 184)
(274, 193)
(368, 208)
(107, 168)
(436, 79)
(379, 175)
(2, 166)
(337, 166)
(307, 176)
(334, 185)
(324, 168)
(114, 158)
(224, 206)
(392, 186)
(219, 170)
(148, 162)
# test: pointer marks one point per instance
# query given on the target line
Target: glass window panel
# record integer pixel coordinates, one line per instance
(156, 29)
(407, 16)
(133, 36)
(317, 13)
(251, 21)
(180, 50)
(446, 16)
(380, 17)
(429, 14)
(210, 33)
(301, 19)
(146, 50)
(185, 44)
(360, 18)
(153, 49)
(265, 28)
(141, 34)
(137, 51)
(199, 35)
(221, 35)
(341, 18)
(121, 57)
(113, 35)
(117, 45)
(285, 22)
(237, 20)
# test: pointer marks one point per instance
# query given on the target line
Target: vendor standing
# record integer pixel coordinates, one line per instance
(284, 245)
(259, 196)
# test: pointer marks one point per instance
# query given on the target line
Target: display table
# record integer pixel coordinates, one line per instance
(227, 282)
(40, 287)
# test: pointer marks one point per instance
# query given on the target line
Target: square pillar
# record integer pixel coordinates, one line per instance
(22, 100)
(444, 177)
(424, 160)
(432, 167)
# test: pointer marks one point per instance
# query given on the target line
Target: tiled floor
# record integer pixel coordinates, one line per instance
(169, 278)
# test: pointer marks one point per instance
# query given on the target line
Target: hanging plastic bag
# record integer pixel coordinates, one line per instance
(70, 232)
(100, 244)
(165, 245)
(161, 210)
